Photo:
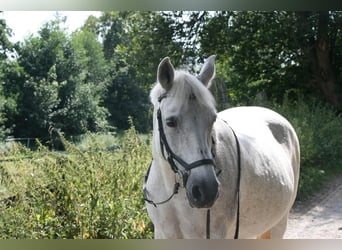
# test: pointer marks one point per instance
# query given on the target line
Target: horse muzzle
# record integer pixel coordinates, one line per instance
(202, 187)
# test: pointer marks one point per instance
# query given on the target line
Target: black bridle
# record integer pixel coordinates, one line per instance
(172, 157)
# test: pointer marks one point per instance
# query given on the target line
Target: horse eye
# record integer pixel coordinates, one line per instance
(171, 122)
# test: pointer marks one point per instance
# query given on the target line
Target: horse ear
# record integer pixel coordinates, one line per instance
(166, 73)
(208, 71)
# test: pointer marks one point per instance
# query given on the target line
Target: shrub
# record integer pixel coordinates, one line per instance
(75, 194)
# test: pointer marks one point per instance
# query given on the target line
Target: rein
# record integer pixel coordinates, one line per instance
(237, 227)
(172, 157)
(175, 191)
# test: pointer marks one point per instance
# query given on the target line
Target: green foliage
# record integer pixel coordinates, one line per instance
(257, 54)
(107, 140)
(134, 43)
(99, 76)
(63, 84)
(5, 101)
(5, 44)
(75, 194)
(110, 63)
(38, 54)
(90, 57)
(319, 130)
(2, 116)
(37, 107)
(124, 96)
(82, 112)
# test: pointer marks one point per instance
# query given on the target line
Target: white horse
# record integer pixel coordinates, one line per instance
(217, 175)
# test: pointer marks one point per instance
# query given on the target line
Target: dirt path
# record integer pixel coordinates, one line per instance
(320, 217)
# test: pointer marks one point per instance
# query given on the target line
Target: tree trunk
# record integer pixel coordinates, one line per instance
(323, 69)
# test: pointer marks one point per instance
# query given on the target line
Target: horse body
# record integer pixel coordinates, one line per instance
(269, 154)
(270, 168)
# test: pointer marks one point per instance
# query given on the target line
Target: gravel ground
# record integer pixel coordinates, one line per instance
(320, 217)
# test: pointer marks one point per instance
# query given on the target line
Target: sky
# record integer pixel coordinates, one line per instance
(24, 23)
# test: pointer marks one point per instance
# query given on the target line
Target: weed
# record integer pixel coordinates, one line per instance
(93, 193)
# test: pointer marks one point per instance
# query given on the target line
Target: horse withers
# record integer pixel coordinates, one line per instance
(232, 174)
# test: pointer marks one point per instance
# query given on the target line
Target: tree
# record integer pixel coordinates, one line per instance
(3, 131)
(5, 45)
(90, 56)
(325, 56)
(38, 107)
(275, 51)
(83, 93)
(124, 98)
(134, 43)
(68, 70)
(6, 102)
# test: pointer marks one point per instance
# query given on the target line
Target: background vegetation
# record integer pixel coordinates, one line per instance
(75, 194)
(84, 85)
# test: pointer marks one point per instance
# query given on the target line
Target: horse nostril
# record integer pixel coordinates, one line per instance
(196, 193)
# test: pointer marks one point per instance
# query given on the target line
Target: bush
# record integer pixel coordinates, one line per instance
(75, 194)
(97, 141)
(319, 129)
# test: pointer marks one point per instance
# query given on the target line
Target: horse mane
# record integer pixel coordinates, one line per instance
(184, 88)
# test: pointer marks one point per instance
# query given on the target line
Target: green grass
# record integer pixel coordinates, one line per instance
(75, 195)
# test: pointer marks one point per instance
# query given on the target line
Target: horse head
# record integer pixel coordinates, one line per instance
(185, 113)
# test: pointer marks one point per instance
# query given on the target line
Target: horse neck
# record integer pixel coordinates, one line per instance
(225, 149)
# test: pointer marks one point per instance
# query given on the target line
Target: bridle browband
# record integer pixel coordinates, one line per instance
(172, 157)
